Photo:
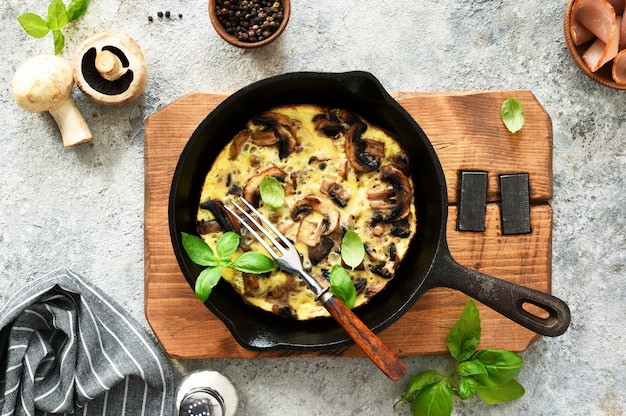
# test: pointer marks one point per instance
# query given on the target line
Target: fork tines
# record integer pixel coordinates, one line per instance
(257, 228)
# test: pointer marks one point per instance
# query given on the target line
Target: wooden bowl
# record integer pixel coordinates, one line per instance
(233, 40)
(603, 75)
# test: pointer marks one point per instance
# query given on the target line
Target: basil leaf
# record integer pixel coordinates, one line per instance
(434, 400)
(465, 334)
(34, 25)
(512, 113)
(417, 383)
(57, 15)
(471, 368)
(206, 281)
(76, 9)
(467, 387)
(494, 395)
(501, 365)
(59, 41)
(227, 245)
(198, 250)
(251, 262)
(352, 249)
(272, 192)
(341, 285)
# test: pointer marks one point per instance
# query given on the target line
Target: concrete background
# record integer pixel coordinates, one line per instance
(82, 207)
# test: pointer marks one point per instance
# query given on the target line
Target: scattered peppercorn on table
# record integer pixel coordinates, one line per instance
(98, 207)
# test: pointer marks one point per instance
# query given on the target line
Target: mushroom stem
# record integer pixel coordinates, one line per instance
(109, 65)
(73, 127)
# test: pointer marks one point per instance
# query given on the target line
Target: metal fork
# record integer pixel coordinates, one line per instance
(288, 259)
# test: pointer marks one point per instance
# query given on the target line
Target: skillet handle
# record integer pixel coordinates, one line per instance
(507, 298)
(380, 354)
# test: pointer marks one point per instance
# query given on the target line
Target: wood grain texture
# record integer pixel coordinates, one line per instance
(467, 134)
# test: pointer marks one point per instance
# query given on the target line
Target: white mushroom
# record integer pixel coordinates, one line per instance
(44, 83)
(110, 68)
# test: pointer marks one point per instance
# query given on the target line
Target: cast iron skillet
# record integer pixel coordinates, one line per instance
(428, 262)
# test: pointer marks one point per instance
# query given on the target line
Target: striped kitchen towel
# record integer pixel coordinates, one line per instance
(67, 348)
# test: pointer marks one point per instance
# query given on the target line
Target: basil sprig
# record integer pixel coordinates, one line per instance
(202, 254)
(352, 254)
(490, 374)
(512, 113)
(272, 192)
(58, 17)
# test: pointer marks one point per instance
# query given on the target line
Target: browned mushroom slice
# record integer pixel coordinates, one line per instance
(363, 154)
(311, 229)
(222, 216)
(321, 250)
(237, 143)
(207, 227)
(251, 189)
(397, 199)
(283, 130)
(381, 270)
(329, 129)
(339, 195)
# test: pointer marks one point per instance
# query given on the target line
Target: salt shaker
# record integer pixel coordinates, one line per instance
(206, 393)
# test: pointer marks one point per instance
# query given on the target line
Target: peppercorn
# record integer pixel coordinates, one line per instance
(160, 14)
(250, 20)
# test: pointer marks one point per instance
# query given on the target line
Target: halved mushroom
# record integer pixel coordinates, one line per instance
(397, 199)
(278, 130)
(224, 218)
(363, 154)
(338, 194)
(251, 190)
(110, 68)
(311, 229)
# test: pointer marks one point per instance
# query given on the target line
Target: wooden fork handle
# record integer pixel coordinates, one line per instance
(380, 354)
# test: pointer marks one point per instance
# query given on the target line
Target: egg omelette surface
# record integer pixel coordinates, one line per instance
(339, 173)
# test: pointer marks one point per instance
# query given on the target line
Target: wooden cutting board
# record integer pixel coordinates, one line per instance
(467, 134)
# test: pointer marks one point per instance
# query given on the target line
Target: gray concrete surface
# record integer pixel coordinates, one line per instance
(82, 207)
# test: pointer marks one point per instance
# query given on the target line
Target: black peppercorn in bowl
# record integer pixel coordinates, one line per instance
(249, 23)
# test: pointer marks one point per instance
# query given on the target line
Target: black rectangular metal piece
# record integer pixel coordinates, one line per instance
(472, 200)
(515, 195)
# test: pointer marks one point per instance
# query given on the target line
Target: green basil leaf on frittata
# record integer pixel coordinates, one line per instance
(352, 249)
(341, 285)
(272, 192)
(227, 245)
(198, 250)
(251, 262)
(206, 281)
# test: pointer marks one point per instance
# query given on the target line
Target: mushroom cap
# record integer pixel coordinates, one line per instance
(42, 82)
(132, 77)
